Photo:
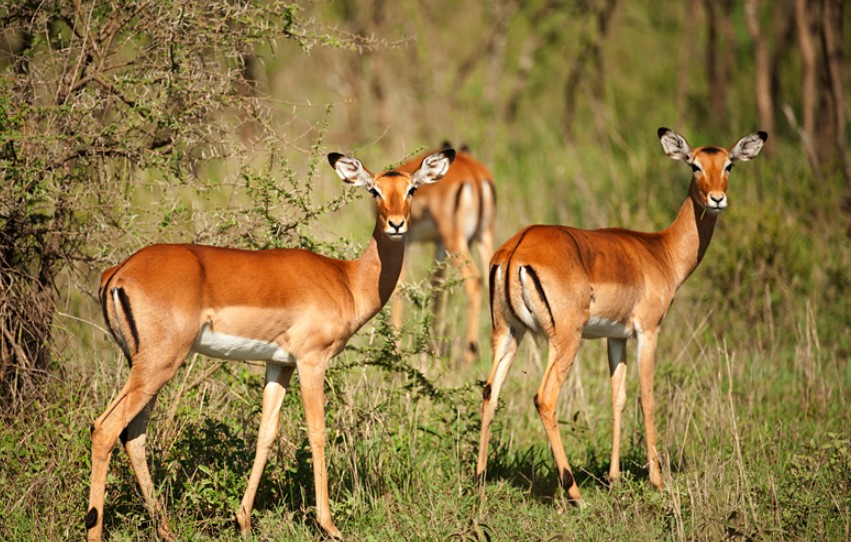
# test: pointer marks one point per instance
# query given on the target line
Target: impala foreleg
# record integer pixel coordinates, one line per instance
(277, 381)
(312, 376)
(646, 360)
(617, 369)
(505, 344)
(397, 305)
(561, 356)
(473, 289)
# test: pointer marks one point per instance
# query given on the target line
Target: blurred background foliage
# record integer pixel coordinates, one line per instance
(126, 124)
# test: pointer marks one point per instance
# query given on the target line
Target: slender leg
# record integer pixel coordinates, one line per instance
(437, 292)
(141, 387)
(463, 261)
(505, 344)
(277, 381)
(646, 360)
(617, 369)
(398, 303)
(485, 241)
(473, 288)
(134, 438)
(312, 376)
(561, 356)
(484, 247)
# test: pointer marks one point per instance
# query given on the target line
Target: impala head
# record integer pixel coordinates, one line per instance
(711, 165)
(393, 190)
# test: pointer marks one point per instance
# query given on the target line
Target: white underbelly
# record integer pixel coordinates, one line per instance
(598, 328)
(223, 346)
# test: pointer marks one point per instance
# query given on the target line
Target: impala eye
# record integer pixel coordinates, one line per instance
(375, 193)
(694, 167)
(729, 167)
(411, 190)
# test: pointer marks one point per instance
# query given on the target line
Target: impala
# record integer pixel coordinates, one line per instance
(291, 308)
(566, 284)
(456, 214)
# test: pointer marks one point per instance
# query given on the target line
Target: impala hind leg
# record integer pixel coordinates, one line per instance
(134, 438)
(277, 382)
(473, 287)
(472, 283)
(484, 248)
(505, 344)
(616, 349)
(561, 356)
(437, 281)
(124, 411)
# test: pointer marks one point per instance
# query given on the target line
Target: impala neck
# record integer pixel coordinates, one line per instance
(373, 276)
(688, 237)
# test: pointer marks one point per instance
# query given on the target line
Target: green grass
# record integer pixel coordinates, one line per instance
(755, 446)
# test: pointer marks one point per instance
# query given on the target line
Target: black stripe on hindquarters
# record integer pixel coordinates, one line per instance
(531, 272)
(128, 314)
(491, 280)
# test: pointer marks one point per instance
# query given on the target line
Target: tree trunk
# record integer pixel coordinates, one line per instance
(529, 51)
(715, 60)
(687, 54)
(591, 50)
(762, 83)
(28, 253)
(809, 65)
(834, 62)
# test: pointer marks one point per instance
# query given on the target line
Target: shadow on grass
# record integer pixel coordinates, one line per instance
(533, 469)
(203, 476)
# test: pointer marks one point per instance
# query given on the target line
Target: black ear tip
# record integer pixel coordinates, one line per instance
(662, 131)
(762, 135)
(449, 154)
(333, 157)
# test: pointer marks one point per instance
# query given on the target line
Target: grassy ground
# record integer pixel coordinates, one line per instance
(753, 392)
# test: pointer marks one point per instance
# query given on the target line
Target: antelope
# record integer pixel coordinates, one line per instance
(567, 284)
(456, 214)
(291, 308)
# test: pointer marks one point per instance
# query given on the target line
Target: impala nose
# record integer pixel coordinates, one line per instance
(717, 201)
(396, 228)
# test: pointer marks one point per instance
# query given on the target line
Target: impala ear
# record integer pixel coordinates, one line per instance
(748, 147)
(433, 167)
(674, 144)
(350, 170)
